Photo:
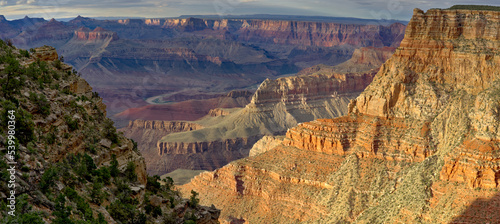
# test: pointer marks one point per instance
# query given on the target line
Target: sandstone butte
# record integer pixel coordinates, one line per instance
(419, 145)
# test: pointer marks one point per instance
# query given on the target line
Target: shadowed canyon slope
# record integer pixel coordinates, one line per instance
(420, 144)
(135, 62)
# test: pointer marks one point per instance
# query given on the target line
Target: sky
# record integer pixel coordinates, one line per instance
(369, 9)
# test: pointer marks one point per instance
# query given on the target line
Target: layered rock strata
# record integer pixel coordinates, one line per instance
(276, 106)
(414, 144)
(98, 34)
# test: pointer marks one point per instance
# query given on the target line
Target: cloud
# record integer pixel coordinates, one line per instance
(27, 2)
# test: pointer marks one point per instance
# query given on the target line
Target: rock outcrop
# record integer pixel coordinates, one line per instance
(98, 34)
(415, 143)
(218, 112)
(265, 144)
(46, 53)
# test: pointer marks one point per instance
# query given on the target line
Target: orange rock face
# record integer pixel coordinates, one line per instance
(414, 144)
(46, 53)
(373, 137)
(97, 34)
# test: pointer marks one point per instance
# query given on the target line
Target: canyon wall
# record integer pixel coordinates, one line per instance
(98, 34)
(320, 33)
(276, 106)
(420, 144)
(299, 33)
(146, 133)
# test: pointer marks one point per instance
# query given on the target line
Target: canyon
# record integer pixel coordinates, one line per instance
(229, 134)
(419, 144)
(277, 105)
(130, 61)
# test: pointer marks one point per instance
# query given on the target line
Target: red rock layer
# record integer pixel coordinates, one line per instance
(475, 162)
(364, 135)
(310, 87)
(95, 35)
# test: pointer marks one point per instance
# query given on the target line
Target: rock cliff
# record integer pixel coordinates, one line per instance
(415, 143)
(147, 133)
(98, 34)
(297, 33)
(265, 144)
(320, 33)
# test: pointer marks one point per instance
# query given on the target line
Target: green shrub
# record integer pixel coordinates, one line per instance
(48, 179)
(24, 213)
(113, 169)
(193, 201)
(122, 212)
(61, 211)
(24, 123)
(24, 53)
(15, 78)
(101, 219)
(156, 211)
(130, 171)
(169, 183)
(153, 185)
(96, 193)
(81, 204)
(41, 102)
(72, 124)
(110, 131)
(57, 64)
(103, 175)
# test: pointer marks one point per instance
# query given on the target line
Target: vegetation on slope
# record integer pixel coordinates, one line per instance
(476, 7)
(72, 165)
